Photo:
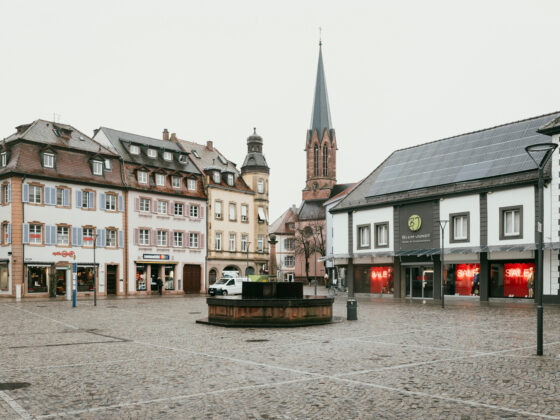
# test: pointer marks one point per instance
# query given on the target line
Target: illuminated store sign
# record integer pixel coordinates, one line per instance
(381, 280)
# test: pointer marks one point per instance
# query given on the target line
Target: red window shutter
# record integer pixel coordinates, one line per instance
(137, 204)
(154, 237)
(201, 213)
(136, 236)
(170, 208)
(154, 206)
(201, 242)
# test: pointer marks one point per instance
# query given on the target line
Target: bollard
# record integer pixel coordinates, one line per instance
(351, 310)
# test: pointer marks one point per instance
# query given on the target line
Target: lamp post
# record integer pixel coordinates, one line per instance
(247, 268)
(442, 224)
(315, 258)
(94, 269)
(540, 154)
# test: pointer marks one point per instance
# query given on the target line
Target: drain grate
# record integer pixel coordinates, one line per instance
(257, 340)
(9, 386)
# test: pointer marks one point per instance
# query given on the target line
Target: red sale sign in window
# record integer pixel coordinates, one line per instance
(519, 279)
(464, 278)
(381, 280)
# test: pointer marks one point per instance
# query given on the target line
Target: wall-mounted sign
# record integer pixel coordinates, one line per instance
(155, 256)
(65, 254)
(416, 227)
(414, 223)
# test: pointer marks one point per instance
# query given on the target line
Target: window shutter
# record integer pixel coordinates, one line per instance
(9, 238)
(137, 204)
(99, 242)
(25, 233)
(66, 197)
(91, 200)
(2, 195)
(53, 196)
(9, 193)
(170, 208)
(102, 203)
(79, 199)
(121, 202)
(25, 193)
(103, 237)
(120, 235)
(74, 237)
(186, 238)
(80, 232)
(201, 241)
(136, 236)
(154, 206)
(201, 212)
(154, 237)
(53, 235)
(48, 232)
(48, 196)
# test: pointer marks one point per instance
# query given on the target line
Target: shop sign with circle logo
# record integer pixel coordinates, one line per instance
(414, 223)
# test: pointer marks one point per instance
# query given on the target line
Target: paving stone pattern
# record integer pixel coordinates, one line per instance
(146, 358)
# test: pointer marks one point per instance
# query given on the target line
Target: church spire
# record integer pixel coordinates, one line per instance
(321, 116)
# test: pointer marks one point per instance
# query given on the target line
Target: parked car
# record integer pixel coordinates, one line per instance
(227, 286)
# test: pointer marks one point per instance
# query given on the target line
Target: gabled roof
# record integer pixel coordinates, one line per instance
(480, 157)
(279, 225)
(321, 114)
(341, 194)
(208, 159)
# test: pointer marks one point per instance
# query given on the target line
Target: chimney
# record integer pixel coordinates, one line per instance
(165, 134)
(173, 137)
(210, 145)
(95, 131)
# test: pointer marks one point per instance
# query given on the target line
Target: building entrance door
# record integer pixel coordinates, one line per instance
(111, 279)
(420, 282)
(191, 278)
(61, 281)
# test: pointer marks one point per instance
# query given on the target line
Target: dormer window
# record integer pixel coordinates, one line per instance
(222, 159)
(160, 180)
(183, 158)
(167, 156)
(152, 153)
(48, 160)
(142, 177)
(192, 184)
(195, 153)
(176, 182)
(216, 177)
(3, 159)
(230, 180)
(108, 164)
(97, 167)
(134, 150)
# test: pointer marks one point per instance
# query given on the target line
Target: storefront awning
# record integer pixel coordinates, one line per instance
(156, 262)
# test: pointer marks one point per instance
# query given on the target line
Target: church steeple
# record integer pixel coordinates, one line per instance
(321, 115)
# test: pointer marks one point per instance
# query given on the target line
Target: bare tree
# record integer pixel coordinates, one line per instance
(304, 245)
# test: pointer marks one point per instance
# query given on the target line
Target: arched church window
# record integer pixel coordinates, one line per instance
(316, 160)
(325, 159)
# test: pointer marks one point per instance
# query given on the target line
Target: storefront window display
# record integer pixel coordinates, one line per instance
(3, 276)
(169, 277)
(37, 276)
(141, 276)
(514, 279)
(86, 275)
(462, 279)
(381, 280)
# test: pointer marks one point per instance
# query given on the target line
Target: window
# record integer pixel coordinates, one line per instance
(193, 240)
(178, 239)
(232, 211)
(316, 160)
(3, 159)
(260, 243)
(108, 164)
(381, 235)
(152, 153)
(161, 238)
(167, 156)
(37, 278)
(35, 194)
(183, 158)
(364, 237)
(35, 234)
(134, 150)
(216, 177)
(48, 160)
(87, 199)
(289, 261)
(325, 159)
(145, 204)
(244, 217)
(87, 237)
(511, 222)
(243, 243)
(4, 276)
(179, 209)
(195, 153)
(176, 182)
(160, 180)
(222, 159)
(192, 184)
(111, 238)
(218, 210)
(194, 211)
(232, 242)
(142, 177)
(289, 244)
(6, 233)
(97, 167)
(62, 236)
(144, 237)
(218, 244)
(63, 197)
(110, 202)
(261, 215)
(459, 227)
(260, 186)
(6, 193)
(162, 207)
(230, 180)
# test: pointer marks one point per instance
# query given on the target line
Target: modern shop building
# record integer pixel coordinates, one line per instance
(387, 232)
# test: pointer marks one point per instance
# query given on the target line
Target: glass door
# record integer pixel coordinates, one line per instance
(419, 282)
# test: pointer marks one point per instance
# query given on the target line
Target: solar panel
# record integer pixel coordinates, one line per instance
(488, 153)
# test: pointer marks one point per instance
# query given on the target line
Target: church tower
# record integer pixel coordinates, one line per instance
(320, 144)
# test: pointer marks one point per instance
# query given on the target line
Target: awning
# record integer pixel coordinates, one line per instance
(261, 214)
(156, 262)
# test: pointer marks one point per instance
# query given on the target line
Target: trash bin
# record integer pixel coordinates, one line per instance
(351, 310)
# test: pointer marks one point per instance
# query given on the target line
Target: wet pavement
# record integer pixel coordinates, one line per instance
(146, 358)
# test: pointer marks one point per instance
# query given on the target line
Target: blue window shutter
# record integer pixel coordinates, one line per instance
(9, 193)
(121, 203)
(9, 239)
(80, 236)
(53, 196)
(74, 237)
(121, 239)
(25, 193)
(48, 196)
(78, 199)
(25, 238)
(66, 198)
(102, 203)
(53, 235)
(100, 241)
(91, 200)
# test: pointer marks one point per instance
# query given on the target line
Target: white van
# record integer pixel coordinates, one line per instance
(227, 286)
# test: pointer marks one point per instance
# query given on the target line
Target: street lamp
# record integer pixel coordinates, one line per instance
(247, 268)
(442, 224)
(540, 154)
(95, 269)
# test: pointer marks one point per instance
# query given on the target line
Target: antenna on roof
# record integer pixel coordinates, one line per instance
(320, 39)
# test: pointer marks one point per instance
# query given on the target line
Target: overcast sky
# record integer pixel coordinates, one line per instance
(399, 73)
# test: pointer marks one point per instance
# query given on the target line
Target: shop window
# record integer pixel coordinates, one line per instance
(141, 276)
(193, 211)
(178, 239)
(364, 237)
(218, 210)
(218, 242)
(244, 217)
(462, 279)
(4, 276)
(144, 204)
(162, 207)
(161, 238)
(511, 222)
(232, 242)
(381, 280)
(86, 275)
(111, 238)
(179, 209)
(35, 193)
(192, 185)
(62, 235)
(142, 177)
(169, 272)
(516, 280)
(243, 243)
(459, 227)
(37, 277)
(176, 182)
(382, 235)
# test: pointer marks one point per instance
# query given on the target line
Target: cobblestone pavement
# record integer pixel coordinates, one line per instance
(147, 359)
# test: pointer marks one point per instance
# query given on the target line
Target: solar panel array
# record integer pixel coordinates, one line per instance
(489, 153)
